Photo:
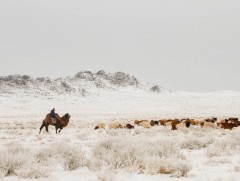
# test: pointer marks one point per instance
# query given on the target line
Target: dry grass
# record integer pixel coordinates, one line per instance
(153, 151)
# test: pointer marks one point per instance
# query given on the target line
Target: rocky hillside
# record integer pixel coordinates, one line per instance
(83, 83)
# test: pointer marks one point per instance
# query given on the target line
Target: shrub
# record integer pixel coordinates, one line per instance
(34, 171)
(174, 167)
(164, 149)
(116, 154)
(13, 158)
(159, 156)
(180, 168)
(227, 145)
(71, 156)
(196, 143)
(20, 161)
(74, 159)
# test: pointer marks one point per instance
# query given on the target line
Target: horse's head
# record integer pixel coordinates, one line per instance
(67, 115)
(65, 119)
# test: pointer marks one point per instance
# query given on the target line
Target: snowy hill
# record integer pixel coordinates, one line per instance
(83, 83)
(93, 96)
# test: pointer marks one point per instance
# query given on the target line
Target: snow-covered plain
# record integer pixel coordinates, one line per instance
(82, 153)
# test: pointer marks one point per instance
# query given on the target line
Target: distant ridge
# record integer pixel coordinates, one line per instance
(83, 83)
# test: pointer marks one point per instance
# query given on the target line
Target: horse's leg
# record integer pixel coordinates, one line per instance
(56, 127)
(60, 129)
(46, 126)
(41, 128)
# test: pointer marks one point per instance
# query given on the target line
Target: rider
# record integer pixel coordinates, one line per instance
(53, 115)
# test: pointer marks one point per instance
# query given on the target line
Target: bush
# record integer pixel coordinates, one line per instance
(71, 156)
(164, 149)
(5, 164)
(174, 167)
(228, 145)
(13, 158)
(154, 157)
(20, 161)
(34, 171)
(196, 143)
(74, 159)
(180, 168)
(116, 154)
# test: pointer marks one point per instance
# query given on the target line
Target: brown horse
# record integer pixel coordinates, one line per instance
(59, 124)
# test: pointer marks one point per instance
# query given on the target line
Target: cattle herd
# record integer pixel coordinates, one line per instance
(175, 123)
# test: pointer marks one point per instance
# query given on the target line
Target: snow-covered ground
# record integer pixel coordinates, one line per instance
(82, 153)
(125, 103)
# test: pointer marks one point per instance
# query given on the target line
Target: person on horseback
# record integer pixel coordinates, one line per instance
(52, 113)
(53, 116)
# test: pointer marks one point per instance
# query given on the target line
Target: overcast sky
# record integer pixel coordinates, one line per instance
(190, 45)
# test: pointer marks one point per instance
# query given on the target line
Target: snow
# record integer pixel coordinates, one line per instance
(204, 153)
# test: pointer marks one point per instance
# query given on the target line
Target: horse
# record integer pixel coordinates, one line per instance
(63, 122)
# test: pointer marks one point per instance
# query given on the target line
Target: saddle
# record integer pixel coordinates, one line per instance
(54, 120)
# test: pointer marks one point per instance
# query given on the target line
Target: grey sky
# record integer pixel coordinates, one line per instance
(191, 45)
